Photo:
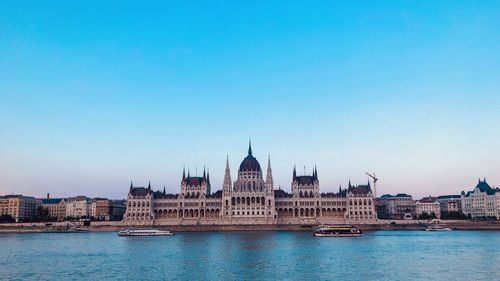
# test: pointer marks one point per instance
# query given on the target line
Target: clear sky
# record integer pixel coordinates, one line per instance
(94, 94)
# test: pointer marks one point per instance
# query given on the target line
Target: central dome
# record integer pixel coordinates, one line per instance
(249, 163)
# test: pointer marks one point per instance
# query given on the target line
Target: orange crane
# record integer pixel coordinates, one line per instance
(375, 179)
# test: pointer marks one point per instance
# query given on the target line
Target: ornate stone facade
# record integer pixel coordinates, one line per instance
(249, 200)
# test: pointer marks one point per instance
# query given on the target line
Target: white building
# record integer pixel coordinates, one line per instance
(482, 202)
(428, 206)
(78, 207)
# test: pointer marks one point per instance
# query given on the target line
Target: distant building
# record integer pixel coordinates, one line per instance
(450, 204)
(482, 202)
(100, 209)
(20, 208)
(250, 199)
(118, 208)
(78, 207)
(56, 207)
(429, 206)
(395, 206)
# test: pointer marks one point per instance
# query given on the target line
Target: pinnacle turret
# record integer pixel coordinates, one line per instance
(269, 176)
(227, 177)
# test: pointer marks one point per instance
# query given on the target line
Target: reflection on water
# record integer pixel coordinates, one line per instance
(460, 255)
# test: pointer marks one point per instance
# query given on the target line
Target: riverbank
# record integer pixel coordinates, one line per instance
(381, 225)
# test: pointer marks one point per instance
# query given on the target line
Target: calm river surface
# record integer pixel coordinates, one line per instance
(381, 255)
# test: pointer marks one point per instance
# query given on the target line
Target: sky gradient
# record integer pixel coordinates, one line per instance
(95, 94)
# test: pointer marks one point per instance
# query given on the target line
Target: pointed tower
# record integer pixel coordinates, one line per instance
(249, 147)
(269, 176)
(294, 173)
(208, 190)
(131, 187)
(227, 178)
(149, 185)
(208, 177)
(164, 192)
(184, 173)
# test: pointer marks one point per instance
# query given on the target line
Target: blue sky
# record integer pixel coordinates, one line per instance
(95, 94)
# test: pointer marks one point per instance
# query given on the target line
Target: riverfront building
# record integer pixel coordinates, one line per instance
(251, 199)
(396, 206)
(20, 208)
(56, 207)
(78, 207)
(429, 206)
(482, 202)
(450, 203)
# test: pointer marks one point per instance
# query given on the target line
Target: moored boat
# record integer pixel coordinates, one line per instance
(337, 231)
(435, 227)
(144, 232)
(65, 229)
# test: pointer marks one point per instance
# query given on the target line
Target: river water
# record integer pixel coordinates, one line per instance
(379, 255)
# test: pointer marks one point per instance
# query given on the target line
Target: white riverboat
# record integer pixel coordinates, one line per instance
(337, 231)
(437, 228)
(144, 232)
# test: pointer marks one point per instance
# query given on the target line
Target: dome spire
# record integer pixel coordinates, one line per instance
(249, 146)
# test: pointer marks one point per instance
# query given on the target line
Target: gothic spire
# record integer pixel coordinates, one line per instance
(204, 174)
(294, 172)
(184, 173)
(350, 183)
(131, 186)
(149, 185)
(249, 146)
(269, 177)
(164, 190)
(208, 177)
(227, 177)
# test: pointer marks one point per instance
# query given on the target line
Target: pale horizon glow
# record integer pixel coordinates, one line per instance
(95, 95)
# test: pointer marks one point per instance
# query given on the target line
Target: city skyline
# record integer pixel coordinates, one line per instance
(93, 99)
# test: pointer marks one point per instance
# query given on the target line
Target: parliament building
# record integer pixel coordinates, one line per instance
(250, 200)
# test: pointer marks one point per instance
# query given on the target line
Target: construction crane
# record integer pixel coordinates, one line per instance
(375, 179)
